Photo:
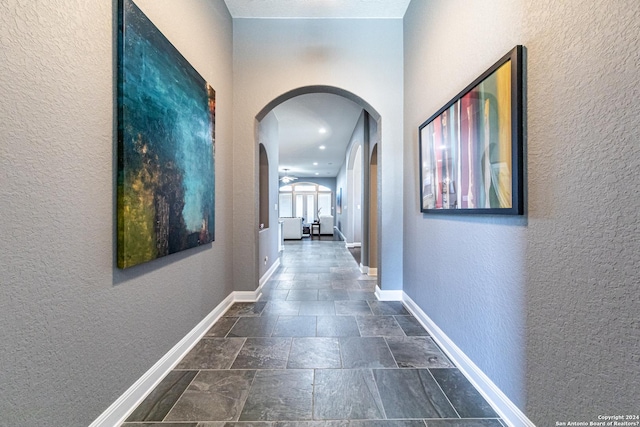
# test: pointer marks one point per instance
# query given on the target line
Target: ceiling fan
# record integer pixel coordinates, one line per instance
(287, 178)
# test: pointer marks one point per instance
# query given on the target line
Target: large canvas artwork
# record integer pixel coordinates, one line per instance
(471, 150)
(166, 135)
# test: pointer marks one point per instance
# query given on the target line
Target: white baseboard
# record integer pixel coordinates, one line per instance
(388, 295)
(119, 410)
(364, 269)
(267, 275)
(335, 227)
(353, 245)
(509, 412)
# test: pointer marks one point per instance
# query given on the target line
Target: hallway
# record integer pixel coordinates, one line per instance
(318, 349)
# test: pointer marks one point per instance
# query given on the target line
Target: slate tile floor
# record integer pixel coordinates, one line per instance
(317, 350)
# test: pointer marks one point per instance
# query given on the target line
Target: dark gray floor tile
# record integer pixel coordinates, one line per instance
(387, 423)
(241, 309)
(345, 284)
(464, 397)
(327, 277)
(164, 425)
(263, 353)
(314, 353)
(388, 308)
(337, 326)
(213, 396)
(282, 308)
(361, 295)
(464, 423)
(366, 352)
(378, 326)
(160, 401)
(352, 308)
(412, 393)
(235, 424)
(280, 395)
(307, 276)
(346, 394)
(295, 326)
(222, 327)
(342, 423)
(285, 284)
(283, 276)
(317, 308)
(345, 270)
(303, 295)
(253, 326)
(274, 295)
(333, 294)
(417, 352)
(270, 284)
(321, 270)
(368, 285)
(212, 353)
(411, 326)
(312, 284)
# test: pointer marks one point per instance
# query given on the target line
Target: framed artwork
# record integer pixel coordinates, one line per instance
(471, 150)
(166, 140)
(339, 201)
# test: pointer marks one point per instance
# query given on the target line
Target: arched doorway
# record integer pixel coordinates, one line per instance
(355, 192)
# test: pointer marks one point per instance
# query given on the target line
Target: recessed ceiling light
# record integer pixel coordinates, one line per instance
(317, 173)
(322, 147)
(315, 163)
(322, 130)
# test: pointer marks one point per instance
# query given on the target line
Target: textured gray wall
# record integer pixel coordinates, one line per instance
(546, 305)
(76, 332)
(274, 56)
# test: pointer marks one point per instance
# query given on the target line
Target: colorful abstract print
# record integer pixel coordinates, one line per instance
(166, 135)
(466, 150)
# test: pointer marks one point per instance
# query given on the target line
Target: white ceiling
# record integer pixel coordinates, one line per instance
(317, 8)
(300, 120)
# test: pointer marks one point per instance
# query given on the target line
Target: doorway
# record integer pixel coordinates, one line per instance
(349, 178)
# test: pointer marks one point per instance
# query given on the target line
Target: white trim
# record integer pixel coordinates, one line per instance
(509, 412)
(364, 269)
(353, 245)
(335, 227)
(372, 271)
(119, 410)
(247, 296)
(267, 275)
(388, 295)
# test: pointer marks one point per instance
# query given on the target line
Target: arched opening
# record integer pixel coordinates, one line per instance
(349, 211)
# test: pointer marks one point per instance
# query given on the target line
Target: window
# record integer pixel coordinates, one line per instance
(305, 200)
(286, 205)
(324, 203)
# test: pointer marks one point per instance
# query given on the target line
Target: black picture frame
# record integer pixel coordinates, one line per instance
(471, 151)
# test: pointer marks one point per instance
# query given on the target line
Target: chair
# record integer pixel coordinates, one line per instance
(326, 224)
(291, 228)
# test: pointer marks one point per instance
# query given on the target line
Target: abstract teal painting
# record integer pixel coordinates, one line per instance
(166, 145)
